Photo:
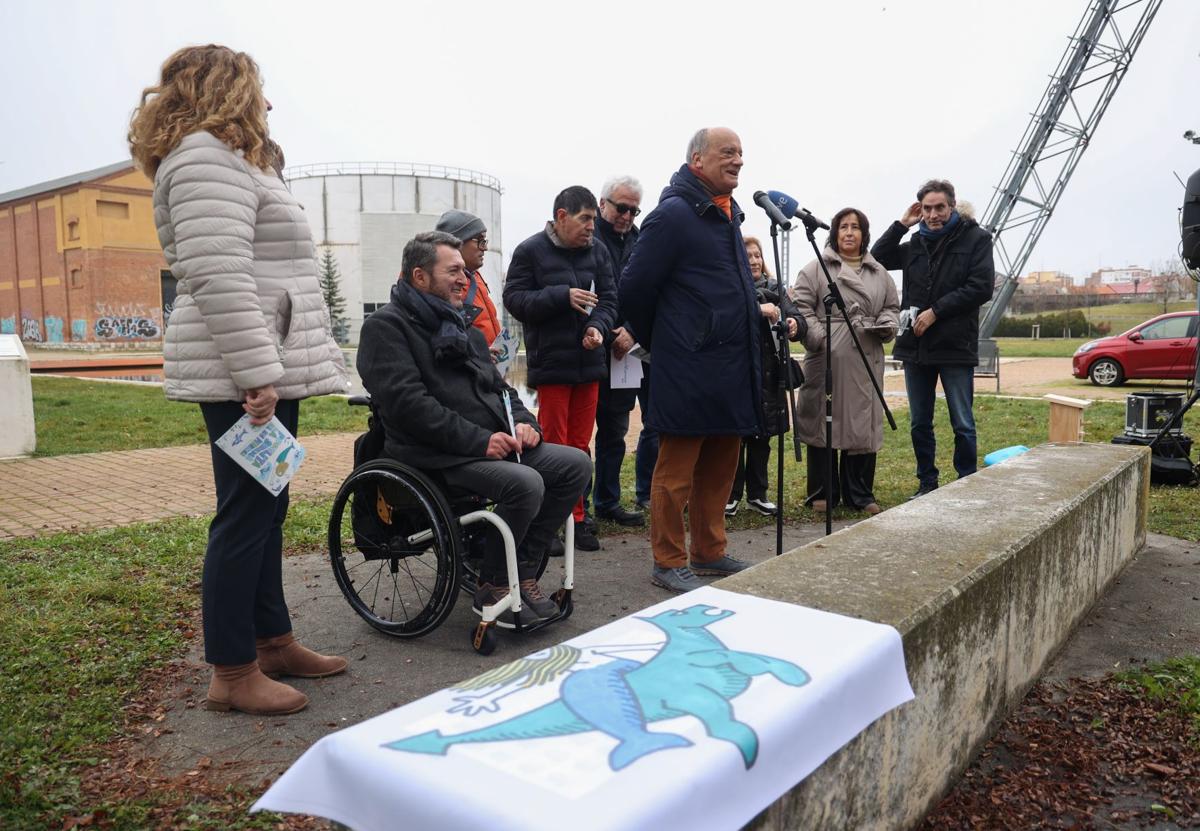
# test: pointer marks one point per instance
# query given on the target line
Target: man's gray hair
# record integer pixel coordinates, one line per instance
(621, 182)
(937, 186)
(698, 144)
(421, 252)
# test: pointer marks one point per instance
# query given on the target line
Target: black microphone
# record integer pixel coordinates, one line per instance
(789, 207)
(773, 213)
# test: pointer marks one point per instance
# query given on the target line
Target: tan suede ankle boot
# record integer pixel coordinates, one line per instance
(283, 655)
(243, 687)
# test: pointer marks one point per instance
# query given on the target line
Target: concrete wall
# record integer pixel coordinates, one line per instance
(18, 438)
(984, 579)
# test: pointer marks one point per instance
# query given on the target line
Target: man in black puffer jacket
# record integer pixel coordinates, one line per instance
(948, 275)
(560, 285)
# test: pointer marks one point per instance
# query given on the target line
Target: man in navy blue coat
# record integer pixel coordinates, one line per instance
(689, 298)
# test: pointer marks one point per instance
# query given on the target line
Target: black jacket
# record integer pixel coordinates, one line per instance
(536, 292)
(435, 415)
(619, 246)
(688, 294)
(765, 292)
(959, 282)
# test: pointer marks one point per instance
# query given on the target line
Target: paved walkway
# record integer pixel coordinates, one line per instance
(102, 490)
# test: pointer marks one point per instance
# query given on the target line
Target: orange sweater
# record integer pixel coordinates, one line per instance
(487, 322)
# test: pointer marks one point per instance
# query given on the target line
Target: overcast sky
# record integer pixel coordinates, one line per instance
(837, 103)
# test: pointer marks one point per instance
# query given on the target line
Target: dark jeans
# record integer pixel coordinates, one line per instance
(752, 468)
(242, 587)
(612, 423)
(853, 478)
(958, 383)
(647, 446)
(533, 496)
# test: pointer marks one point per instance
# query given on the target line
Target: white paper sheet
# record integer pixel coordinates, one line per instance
(624, 373)
(268, 452)
(652, 721)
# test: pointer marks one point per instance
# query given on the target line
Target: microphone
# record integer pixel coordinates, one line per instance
(773, 213)
(789, 207)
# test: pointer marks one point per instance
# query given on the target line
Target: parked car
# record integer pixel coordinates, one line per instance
(1162, 347)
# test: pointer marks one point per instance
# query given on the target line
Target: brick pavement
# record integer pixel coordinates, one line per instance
(102, 490)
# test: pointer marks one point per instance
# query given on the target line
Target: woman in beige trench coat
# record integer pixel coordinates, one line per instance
(870, 296)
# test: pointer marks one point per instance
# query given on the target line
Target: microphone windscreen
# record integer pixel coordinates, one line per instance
(786, 204)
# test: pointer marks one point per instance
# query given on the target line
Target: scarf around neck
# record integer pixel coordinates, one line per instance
(449, 341)
(930, 234)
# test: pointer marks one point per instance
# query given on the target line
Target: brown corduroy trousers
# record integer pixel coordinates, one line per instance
(695, 472)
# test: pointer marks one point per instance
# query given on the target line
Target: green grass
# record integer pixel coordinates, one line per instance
(75, 416)
(85, 617)
(1176, 681)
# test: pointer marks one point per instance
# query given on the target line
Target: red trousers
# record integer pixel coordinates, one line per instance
(567, 414)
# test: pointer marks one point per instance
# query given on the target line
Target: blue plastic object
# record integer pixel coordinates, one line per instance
(998, 456)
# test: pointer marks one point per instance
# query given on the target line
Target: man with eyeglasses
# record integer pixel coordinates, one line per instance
(620, 203)
(477, 301)
(948, 275)
(688, 294)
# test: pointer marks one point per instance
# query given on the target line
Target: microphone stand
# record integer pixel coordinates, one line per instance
(834, 298)
(783, 396)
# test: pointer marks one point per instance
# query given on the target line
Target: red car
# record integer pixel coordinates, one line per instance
(1162, 347)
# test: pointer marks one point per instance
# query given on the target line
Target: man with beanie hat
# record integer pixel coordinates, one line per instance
(471, 231)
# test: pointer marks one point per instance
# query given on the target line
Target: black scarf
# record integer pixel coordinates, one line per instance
(449, 341)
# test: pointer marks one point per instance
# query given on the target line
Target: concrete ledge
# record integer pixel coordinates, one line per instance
(985, 578)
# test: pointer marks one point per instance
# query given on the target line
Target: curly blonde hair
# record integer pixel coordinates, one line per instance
(208, 88)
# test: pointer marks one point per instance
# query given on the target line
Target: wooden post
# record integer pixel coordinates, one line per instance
(1066, 418)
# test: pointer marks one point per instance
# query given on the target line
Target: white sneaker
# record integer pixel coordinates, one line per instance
(731, 508)
(763, 506)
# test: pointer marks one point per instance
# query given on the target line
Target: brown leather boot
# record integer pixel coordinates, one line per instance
(283, 655)
(243, 687)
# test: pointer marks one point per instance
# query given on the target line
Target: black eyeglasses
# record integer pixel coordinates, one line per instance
(622, 208)
(480, 242)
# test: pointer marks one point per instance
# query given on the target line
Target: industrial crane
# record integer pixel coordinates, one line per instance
(1087, 77)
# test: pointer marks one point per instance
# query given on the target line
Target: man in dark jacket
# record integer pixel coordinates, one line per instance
(442, 404)
(560, 286)
(948, 275)
(688, 295)
(620, 203)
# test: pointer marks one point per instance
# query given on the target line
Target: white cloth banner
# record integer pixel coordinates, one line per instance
(695, 713)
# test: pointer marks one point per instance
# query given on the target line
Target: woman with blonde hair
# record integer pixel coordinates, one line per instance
(249, 333)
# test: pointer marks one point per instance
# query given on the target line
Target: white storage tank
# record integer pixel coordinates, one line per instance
(364, 212)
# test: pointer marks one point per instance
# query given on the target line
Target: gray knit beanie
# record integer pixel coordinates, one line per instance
(461, 224)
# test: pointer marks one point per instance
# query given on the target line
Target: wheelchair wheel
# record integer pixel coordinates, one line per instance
(395, 548)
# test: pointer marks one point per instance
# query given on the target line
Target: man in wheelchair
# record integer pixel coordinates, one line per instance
(442, 405)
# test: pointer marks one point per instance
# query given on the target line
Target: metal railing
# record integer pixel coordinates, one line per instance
(430, 171)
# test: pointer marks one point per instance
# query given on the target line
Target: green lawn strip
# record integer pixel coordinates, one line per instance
(76, 416)
(84, 619)
(1176, 681)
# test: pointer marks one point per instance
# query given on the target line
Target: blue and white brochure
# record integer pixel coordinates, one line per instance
(268, 452)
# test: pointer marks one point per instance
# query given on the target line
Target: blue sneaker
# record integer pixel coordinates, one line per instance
(678, 580)
(720, 568)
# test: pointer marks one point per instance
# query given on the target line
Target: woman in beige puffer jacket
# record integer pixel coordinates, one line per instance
(249, 334)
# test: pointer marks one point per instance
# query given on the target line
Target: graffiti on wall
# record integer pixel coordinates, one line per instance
(54, 329)
(127, 322)
(31, 330)
(8, 325)
(79, 329)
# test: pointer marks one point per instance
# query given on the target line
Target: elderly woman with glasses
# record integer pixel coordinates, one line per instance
(870, 296)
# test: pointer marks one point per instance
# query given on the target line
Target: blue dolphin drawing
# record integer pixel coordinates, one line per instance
(693, 673)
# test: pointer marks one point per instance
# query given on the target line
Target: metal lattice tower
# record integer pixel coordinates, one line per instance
(1079, 92)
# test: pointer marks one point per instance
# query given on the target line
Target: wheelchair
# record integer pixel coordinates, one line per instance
(403, 545)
